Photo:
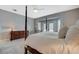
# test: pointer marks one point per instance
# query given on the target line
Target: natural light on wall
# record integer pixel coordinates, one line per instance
(44, 28)
(39, 26)
(59, 22)
(50, 27)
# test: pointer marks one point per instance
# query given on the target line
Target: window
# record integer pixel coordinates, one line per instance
(59, 22)
(39, 26)
(50, 27)
(44, 27)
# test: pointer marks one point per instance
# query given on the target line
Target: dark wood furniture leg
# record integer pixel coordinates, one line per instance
(31, 50)
(25, 50)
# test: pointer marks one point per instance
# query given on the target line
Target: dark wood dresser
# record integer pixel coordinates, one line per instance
(17, 35)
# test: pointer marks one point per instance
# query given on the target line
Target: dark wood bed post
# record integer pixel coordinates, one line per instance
(33, 51)
(25, 28)
(26, 23)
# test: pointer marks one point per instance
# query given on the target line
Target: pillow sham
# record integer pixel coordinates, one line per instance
(72, 35)
(62, 32)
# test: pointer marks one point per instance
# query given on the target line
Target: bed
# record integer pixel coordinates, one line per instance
(50, 43)
(44, 42)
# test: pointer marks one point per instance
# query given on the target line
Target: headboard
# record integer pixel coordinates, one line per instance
(17, 35)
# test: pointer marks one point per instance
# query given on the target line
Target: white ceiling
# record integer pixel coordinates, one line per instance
(20, 9)
(43, 10)
(47, 9)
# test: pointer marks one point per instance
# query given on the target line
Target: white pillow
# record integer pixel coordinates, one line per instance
(63, 32)
(77, 23)
(72, 39)
(72, 36)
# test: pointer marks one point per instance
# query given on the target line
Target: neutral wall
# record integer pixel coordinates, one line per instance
(68, 18)
(71, 17)
(12, 20)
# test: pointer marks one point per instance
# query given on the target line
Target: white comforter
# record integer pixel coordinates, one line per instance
(47, 42)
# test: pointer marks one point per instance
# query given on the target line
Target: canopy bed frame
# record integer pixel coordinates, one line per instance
(30, 49)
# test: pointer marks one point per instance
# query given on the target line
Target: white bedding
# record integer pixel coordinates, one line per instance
(46, 42)
(14, 47)
(49, 44)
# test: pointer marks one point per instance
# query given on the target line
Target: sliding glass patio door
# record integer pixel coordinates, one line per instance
(50, 25)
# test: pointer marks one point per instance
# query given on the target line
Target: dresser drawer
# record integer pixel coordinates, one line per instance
(17, 35)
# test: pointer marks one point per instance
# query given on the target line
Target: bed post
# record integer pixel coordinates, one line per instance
(26, 23)
(25, 50)
(25, 29)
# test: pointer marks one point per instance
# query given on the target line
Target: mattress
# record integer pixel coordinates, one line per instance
(45, 42)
